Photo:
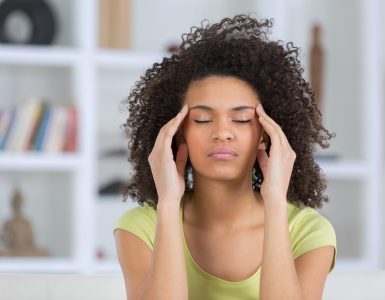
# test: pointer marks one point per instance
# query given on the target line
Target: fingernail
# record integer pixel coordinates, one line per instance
(260, 107)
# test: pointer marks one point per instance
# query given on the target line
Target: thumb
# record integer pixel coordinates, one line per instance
(262, 160)
(181, 158)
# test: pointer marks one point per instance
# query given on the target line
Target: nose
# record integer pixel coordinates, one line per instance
(222, 130)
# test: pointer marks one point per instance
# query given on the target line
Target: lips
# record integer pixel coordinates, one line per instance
(223, 153)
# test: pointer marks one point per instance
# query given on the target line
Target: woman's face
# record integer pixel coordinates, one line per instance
(222, 115)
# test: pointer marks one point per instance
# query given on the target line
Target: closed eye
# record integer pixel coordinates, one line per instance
(201, 121)
(238, 121)
(242, 121)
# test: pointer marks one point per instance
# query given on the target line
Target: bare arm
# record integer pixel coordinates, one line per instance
(281, 277)
(278, 276)
(167, 278)
(158, 274)
(134, 258)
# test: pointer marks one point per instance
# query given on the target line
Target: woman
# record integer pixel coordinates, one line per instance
(233, 216)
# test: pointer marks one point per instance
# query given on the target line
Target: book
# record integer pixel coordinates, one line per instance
(71, 132)
(37, 123)
(54, 140)
(31, 109)
(6, 123)
(9, 123)
(38, 143)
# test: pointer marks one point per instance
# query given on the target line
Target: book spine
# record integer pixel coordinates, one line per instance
(38, 146)
(9, 129)
(56, 132)
(5, 127)
(15, 129)
(28, 124)
(37, 123)
(71, 132)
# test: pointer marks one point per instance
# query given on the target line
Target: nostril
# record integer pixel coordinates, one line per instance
(223, 138)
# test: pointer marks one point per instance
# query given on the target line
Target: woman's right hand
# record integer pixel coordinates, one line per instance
(169, 174)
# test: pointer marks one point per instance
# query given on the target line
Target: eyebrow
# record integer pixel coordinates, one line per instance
(208, 108)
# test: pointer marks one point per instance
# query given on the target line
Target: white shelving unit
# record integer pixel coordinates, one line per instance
(34, 161)
(61, 191)
(38, 56)
(353, 108)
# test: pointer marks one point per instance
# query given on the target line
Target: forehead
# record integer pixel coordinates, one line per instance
(219, 92)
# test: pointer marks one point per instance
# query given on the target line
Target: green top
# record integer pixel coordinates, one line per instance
(308, 230)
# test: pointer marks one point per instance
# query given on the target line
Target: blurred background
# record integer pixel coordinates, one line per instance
(65, 66)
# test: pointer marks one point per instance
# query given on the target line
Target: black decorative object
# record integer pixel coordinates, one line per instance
(26, 22)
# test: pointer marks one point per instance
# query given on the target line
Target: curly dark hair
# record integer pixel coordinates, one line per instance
(236, 47)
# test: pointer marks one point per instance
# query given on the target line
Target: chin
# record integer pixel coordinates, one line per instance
(219, 173)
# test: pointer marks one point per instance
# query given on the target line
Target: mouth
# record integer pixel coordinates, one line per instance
(223, 154)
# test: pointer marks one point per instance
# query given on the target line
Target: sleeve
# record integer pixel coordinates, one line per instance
(312, 230)
(140, 222)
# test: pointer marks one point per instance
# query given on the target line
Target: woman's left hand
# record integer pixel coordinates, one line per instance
(277, 167)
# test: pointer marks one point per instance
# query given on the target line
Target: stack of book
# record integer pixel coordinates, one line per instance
(35, 125)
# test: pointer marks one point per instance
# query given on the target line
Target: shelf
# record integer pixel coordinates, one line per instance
(344, 169)
(53, 265)
(131, 59)
(39, 162)
(107, 267)
(354, 265)
(38, 55)
(40, 265)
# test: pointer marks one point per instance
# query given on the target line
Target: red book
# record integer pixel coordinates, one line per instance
(71, 134)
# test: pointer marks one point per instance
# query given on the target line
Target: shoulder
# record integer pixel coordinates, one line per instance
(140, 213)
(306, 218)
(141, 221)
(309, 229)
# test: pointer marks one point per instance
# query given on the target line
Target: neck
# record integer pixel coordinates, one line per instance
(223, 206)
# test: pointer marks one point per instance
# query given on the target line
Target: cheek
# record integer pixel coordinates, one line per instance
(194, 139)
(249, 133)
(197, 143)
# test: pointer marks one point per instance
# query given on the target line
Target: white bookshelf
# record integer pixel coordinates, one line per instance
(36, 161)
(40, 56)
(345, 170)
(96, 80)
(118, 59)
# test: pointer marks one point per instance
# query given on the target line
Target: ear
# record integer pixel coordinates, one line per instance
(264, 141)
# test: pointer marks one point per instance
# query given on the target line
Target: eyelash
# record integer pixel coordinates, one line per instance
(238, 121)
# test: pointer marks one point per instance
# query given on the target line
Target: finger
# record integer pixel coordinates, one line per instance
(182, 113)
(178, 120)
(175, 126)
(181, 158)
(264, 116)
(271, 131)
(262, 160)
(168, 131)
(261, 113)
